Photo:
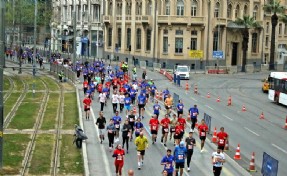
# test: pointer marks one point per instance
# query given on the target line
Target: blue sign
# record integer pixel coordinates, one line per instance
(269, 165)
(217, 54)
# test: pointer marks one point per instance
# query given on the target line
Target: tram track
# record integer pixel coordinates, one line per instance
(11, 88)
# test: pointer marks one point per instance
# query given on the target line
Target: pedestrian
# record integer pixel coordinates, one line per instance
(202, 129)
(121, 101)
(119, 159)
(101, 123)
(182, 123)
(85, 86)
(130, 172)
(142, 144)
(141, 104)
(126, 133)
(115, 101)
(179, 157)
(154, 123)
(138, 127)
(177, 133)
(144, 76)
(132, 119)
(127, 103)
(87, 105)
(190, 143)
(117, 122)
(102, 99)
(168, 162)
(222, 137)
(156, 108)
(218, 159)
(61, 76)
(168, 104)
(179, 107)
(165, 129)
(111, 134)
(193, 113)
(173, 122)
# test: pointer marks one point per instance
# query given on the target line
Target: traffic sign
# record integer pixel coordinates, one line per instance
(196, 54)
(217, 54)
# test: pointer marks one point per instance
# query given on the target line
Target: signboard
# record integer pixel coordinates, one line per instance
(196, 54)
(269, 165)
(217, 54)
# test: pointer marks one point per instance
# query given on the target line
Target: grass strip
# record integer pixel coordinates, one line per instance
(70, 111)
(50, 115)
(34, 81)
(18, 83)
(41, 159)
(37, 97)
(10, 102)
(51, 83)
(14, 149)
(7, 84)
(71, 160)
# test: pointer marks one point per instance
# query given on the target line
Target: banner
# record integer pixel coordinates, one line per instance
(196, 54)
(269, 165)
(207, 119)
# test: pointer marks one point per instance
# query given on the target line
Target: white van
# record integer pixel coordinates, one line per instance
(182, 71)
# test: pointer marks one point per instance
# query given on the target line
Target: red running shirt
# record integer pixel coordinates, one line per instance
(222, 136)
(87, 102)
(202, 130)
(153, 124)
(120, 155)
(165, 122)
(182, 122)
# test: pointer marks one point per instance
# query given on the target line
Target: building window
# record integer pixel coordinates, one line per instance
(245, 10)
(85, 15)
(165, 31)
(280, 29)
(148, 39)
(167, 7)
(267, 27)
(215, 41)
(110, 34)
(285, 29)
(193, 43)
(138, 8)
(119, 8)
(65, 13)
(193, 8)
(119, 37)
(216, 10)
(229, 11)
(255, 12)
(180, 8)
(165, 45)
(96, 12)
(79, 13)
(193, 32)
(178, 32)
(111, 8)
(266, 41)
(178, 45)
(139, 36)
(149, 8)
(237, 12)
(128, 37)
(254, 43)
(128, 9)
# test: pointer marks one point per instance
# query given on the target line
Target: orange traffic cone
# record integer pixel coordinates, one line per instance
(186, 86)
(195, 89)
(261, 116)
(252, 163)
(214, 138)
(208, 95)
(229, 101)
(226, 147)
(243, 108)
(237, 153)
(285, 124)
(218, 99)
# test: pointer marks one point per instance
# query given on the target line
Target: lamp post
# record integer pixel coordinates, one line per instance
(74, 30)
(35, 40)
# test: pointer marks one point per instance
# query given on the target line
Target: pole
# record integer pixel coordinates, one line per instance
(154, 31)
(207, 43)
(2, 56)
(75, 30)
(20, 41)
(35, 39)
(218, 43)
(98, 41)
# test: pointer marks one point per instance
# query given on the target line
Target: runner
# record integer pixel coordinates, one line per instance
(85, 86)
(172, 126)
(117, 121)
(133, 94)
(179, 157)
(177, 134)
(101, 123)
(179, 107)
(152, 91)
(182, 123)
(222, 137)
(138, 127)
(168, 162)
(168, 104)
(119, 159)
(126, 133)
(87, 104)
(132, 119)
(111, 134)
(190, 143)
(142, 144)
(193, 112)
(128, 102)
(121, 101)
(164, 123)
(115, 101)
(102, 99)
(141, 104)
(153, 123)
(202, 129)
(218, 159)
(156, 108)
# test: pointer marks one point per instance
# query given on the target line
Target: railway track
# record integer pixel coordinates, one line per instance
(11, 88)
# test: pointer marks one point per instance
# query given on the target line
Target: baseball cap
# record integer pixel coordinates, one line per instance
(191, 131)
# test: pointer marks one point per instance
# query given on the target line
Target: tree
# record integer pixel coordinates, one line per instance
(246, 23)
(274, 7)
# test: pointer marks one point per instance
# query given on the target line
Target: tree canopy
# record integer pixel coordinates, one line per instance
(274, 7)
(247, 22)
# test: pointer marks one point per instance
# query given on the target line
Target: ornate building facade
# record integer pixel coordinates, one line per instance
(166, 31)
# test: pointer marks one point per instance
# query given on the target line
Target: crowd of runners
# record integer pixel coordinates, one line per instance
(129, 95)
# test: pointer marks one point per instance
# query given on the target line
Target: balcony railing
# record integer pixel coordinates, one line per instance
(107, 19)
(181, 19)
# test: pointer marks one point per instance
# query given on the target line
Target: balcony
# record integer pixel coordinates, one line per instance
(119, 18)
(107, 19)
(221, 21)
(146, 19)
(188, 20)
(128, 18)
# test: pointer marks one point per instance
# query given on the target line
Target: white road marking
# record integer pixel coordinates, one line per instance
(105, 158)
(193, 99)
(209, 107)
(227, 117)
(279, 148)
(251, 131)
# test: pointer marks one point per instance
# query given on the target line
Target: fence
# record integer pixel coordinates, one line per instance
(269, 165)
(156, 66)
(143, 64)
(207, 119)
(68, 72)
(175, 101)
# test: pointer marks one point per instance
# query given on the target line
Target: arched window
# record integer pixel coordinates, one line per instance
(280, 29)
(128, 37)
(167, 7)
(267, 27)
(148, 39)
(237, 12)
(255, 12)
(245, 10)
(180, 8)
(216, 10)
(193, 8)
(149, 8)
(138, 8)
(229, 11)
(139, 36)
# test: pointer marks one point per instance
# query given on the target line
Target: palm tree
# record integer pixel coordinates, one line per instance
(245, 24)
(274, 7)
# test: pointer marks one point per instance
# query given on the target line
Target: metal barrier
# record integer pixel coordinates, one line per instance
(207, 119)
(175, 101)
(143, 64)
(68, 72)
(156, 66)
(269, 165)
(216, 70)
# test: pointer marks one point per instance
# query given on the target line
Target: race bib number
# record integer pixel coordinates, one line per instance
(190, 147)
(137, 130)
(88, 106)
(221, 141)
(110, 131)
(180, 107)
(131, 119)
(194, 114)
(120, 157)
(153, 127)
(117, 126)
(173, 129)
(166, 130)
(127, 101)
(180, 157)
(167, 166)
(202, 133)
(156, 108)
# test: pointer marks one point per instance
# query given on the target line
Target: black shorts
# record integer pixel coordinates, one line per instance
(86, 109)
(172, 129)
(152, 94)
(221, 147)
(176, 136)
(141, 152)
(167, 107)
(141, 106)
(202, 138)
(180, 112)
(181, 134)
(179, 165)
(147, 95)
(153, 131)
(163, 130)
